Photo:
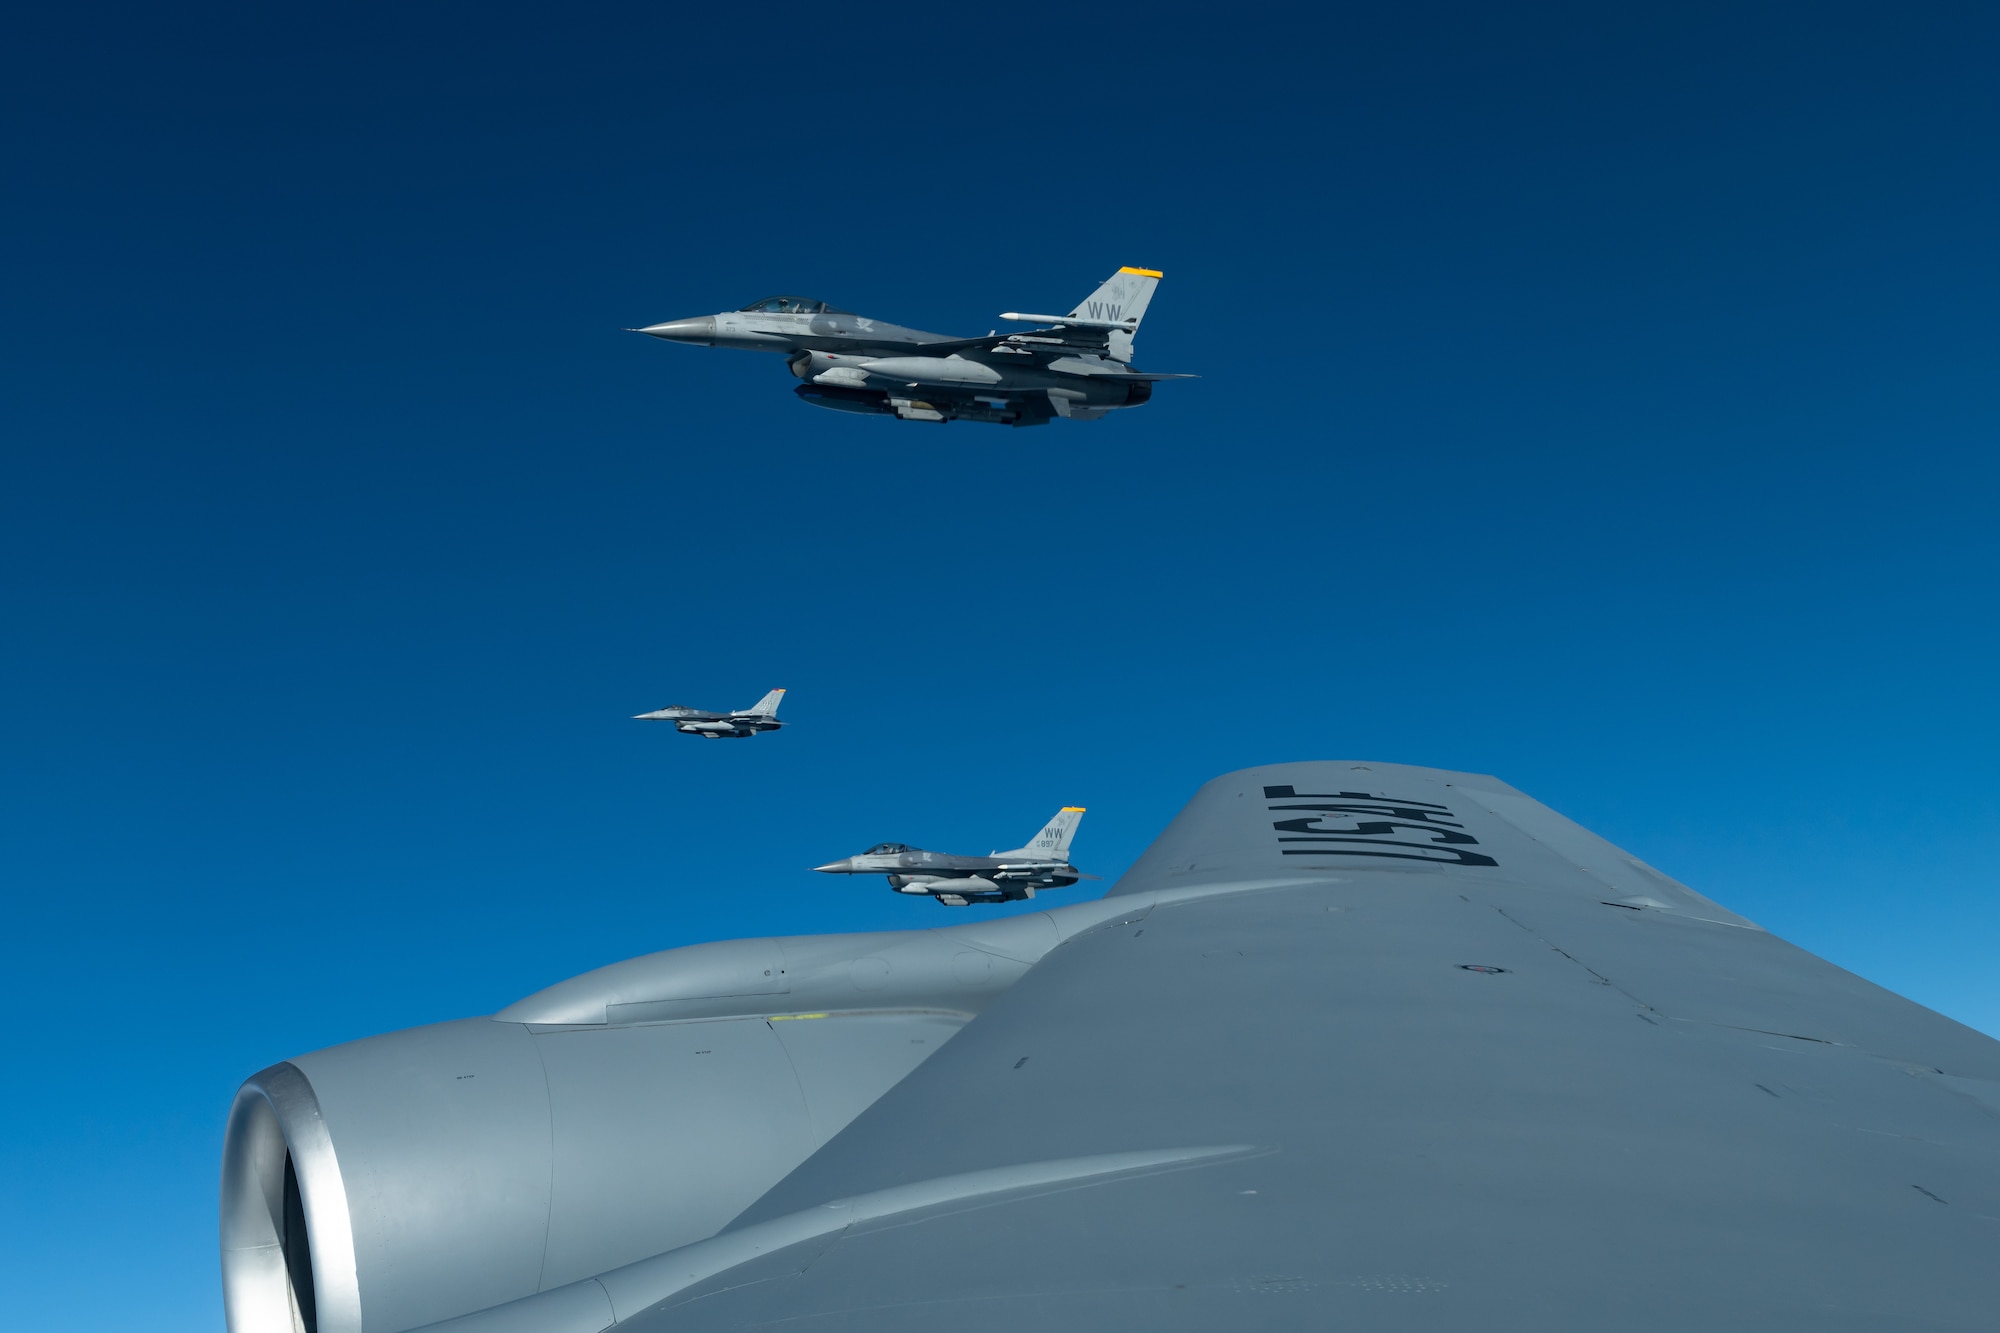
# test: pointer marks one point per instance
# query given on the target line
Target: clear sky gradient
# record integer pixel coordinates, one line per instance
(1602, 399)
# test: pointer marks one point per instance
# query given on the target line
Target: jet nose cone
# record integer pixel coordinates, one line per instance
(701, 331)
(836, 867)
(649, 717)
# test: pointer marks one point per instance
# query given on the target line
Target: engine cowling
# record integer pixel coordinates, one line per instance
(403, 1179)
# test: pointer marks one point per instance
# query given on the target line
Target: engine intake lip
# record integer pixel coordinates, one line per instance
(280, 1177)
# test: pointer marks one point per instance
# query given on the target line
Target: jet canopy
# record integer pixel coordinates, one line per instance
(792, 305)
(882, 847)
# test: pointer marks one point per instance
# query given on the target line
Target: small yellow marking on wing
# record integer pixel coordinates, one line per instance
(787, 1018)
(1143, 272)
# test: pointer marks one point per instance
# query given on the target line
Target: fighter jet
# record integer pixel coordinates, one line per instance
(998, 877)
(760, 716)
(1077, 365)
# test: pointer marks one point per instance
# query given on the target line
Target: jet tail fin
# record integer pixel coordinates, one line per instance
(1052, 843)
(767, 706)
(1124, 296)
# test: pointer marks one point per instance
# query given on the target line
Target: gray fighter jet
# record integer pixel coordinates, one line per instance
(1077, 365)
(999, 877)
(760, 716)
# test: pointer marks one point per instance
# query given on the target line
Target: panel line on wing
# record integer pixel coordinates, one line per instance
(645, 1284)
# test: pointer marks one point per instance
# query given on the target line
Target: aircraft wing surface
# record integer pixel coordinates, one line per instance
(1386, 1048)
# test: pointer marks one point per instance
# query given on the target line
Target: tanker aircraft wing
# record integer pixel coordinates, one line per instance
(1351, 1046)
(1379, 1047)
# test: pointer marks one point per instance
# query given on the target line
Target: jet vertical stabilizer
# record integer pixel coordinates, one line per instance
(1123, 297)
(1052, 843)
(768, 705)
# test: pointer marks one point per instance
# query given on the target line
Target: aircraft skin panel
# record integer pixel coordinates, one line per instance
(843, 1064)
(649, 1113)
(1619, 871)
(1483, 1098)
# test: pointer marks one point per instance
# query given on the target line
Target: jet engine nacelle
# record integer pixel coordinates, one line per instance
(403, 1179)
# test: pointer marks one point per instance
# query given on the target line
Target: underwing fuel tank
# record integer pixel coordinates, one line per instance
(955, 370)
(927, 884)
(845, 398)
(403, 1179)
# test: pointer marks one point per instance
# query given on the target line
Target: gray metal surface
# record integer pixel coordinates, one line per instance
(616, 1115)
(597, 1302)
(1647, 1117)
(1351, 1045)
(273, 1276)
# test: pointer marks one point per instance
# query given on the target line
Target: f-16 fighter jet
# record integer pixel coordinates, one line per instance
(760, 716)
(1077, 365)
(957, 880)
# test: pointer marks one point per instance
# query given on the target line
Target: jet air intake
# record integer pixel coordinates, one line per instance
(403, 1179)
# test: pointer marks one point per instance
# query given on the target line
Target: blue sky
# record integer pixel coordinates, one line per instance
(1602, 400)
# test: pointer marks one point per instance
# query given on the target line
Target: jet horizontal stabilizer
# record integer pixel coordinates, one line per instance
(1150, 375)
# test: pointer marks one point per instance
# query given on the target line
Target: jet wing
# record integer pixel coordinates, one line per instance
(1056, 340)
(1390, 1048)
(1045, 346)
(1051, 337)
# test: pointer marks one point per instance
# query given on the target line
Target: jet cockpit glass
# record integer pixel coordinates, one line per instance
(881, 848)
(791, 305)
